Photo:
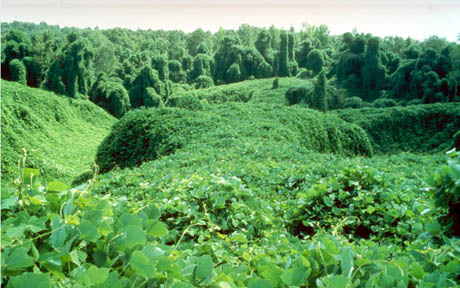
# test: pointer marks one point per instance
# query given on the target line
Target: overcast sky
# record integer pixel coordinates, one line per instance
(418, 19)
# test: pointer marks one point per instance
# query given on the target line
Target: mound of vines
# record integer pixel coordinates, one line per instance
(420, 128)
(147, 134)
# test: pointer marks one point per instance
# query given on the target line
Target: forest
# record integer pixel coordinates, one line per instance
(256, 157)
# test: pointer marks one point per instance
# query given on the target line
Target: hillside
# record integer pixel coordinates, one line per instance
(60, 134)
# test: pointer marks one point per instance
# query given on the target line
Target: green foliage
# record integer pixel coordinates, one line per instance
(319, 100)
(203, 81)
(373, 72)
(69, 73)
(111, 95)
(384, 103)
(420, 128)
(146, 134)
(18, 71)
(189, 102)
(176, 74)
(353, 102)
(64, 132)
(276, 83)
(296, 95)
(140, 94)
(445, 188)
(315, 61)
(283, 69)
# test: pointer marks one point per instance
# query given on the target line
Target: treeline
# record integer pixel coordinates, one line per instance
(120, 69)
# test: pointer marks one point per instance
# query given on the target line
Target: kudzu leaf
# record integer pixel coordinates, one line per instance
(97, 275)
(434, 228)
(56, 187)
(59, 234)
(30, 173)
(88, 231)
(156, 228)
(417, 270)
(51, 261)
(336, 281)
(134, 236)
(152, 212)
(204, 267)
(259, 283)
(346, 262)
(28, 279)
(142, 265)
(450, 267)
(295, 276)
(18, 259)
(273, 274)
(130, 219)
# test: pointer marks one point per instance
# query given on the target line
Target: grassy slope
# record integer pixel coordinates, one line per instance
(60, 134)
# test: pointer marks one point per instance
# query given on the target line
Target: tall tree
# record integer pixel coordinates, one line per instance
(283, 55)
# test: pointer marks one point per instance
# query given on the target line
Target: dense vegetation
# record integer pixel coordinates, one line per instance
(60, 134)
(225, 168)
(121, 69)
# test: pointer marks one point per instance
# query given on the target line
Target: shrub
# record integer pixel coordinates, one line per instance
(303, 74)
(146, 134)
(189, 102)
(420, 128)
(383, 102)
(18, 71)
(203, 82)
(276, 83)
(353, 102)
(296, 95)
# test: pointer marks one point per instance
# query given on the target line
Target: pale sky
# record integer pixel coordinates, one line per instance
(418, 19)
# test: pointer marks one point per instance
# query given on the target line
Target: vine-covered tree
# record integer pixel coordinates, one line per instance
(18, 71)
(315, 61)
(319, 100)
(139, 95)
(373, 72)
(283, 70)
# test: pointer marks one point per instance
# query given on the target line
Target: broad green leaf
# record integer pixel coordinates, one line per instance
(142, 265)
(130, 219)
(336, 281)
(295, 276)
(59, 234)
(259, 283)
(56, 187)
(454, 170)
(28, 280)
(327, 201)
(434, 228)
(370, 209)
(51, 261)
(30, 173)
(346, 262)
(451, 267)
(204, 267)
(238, 237)
(273, 274)
(17, 259)
(417, 270)
(152, 212)
(88, 231)
(97, 275)
(156, 228)
(134, 236)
